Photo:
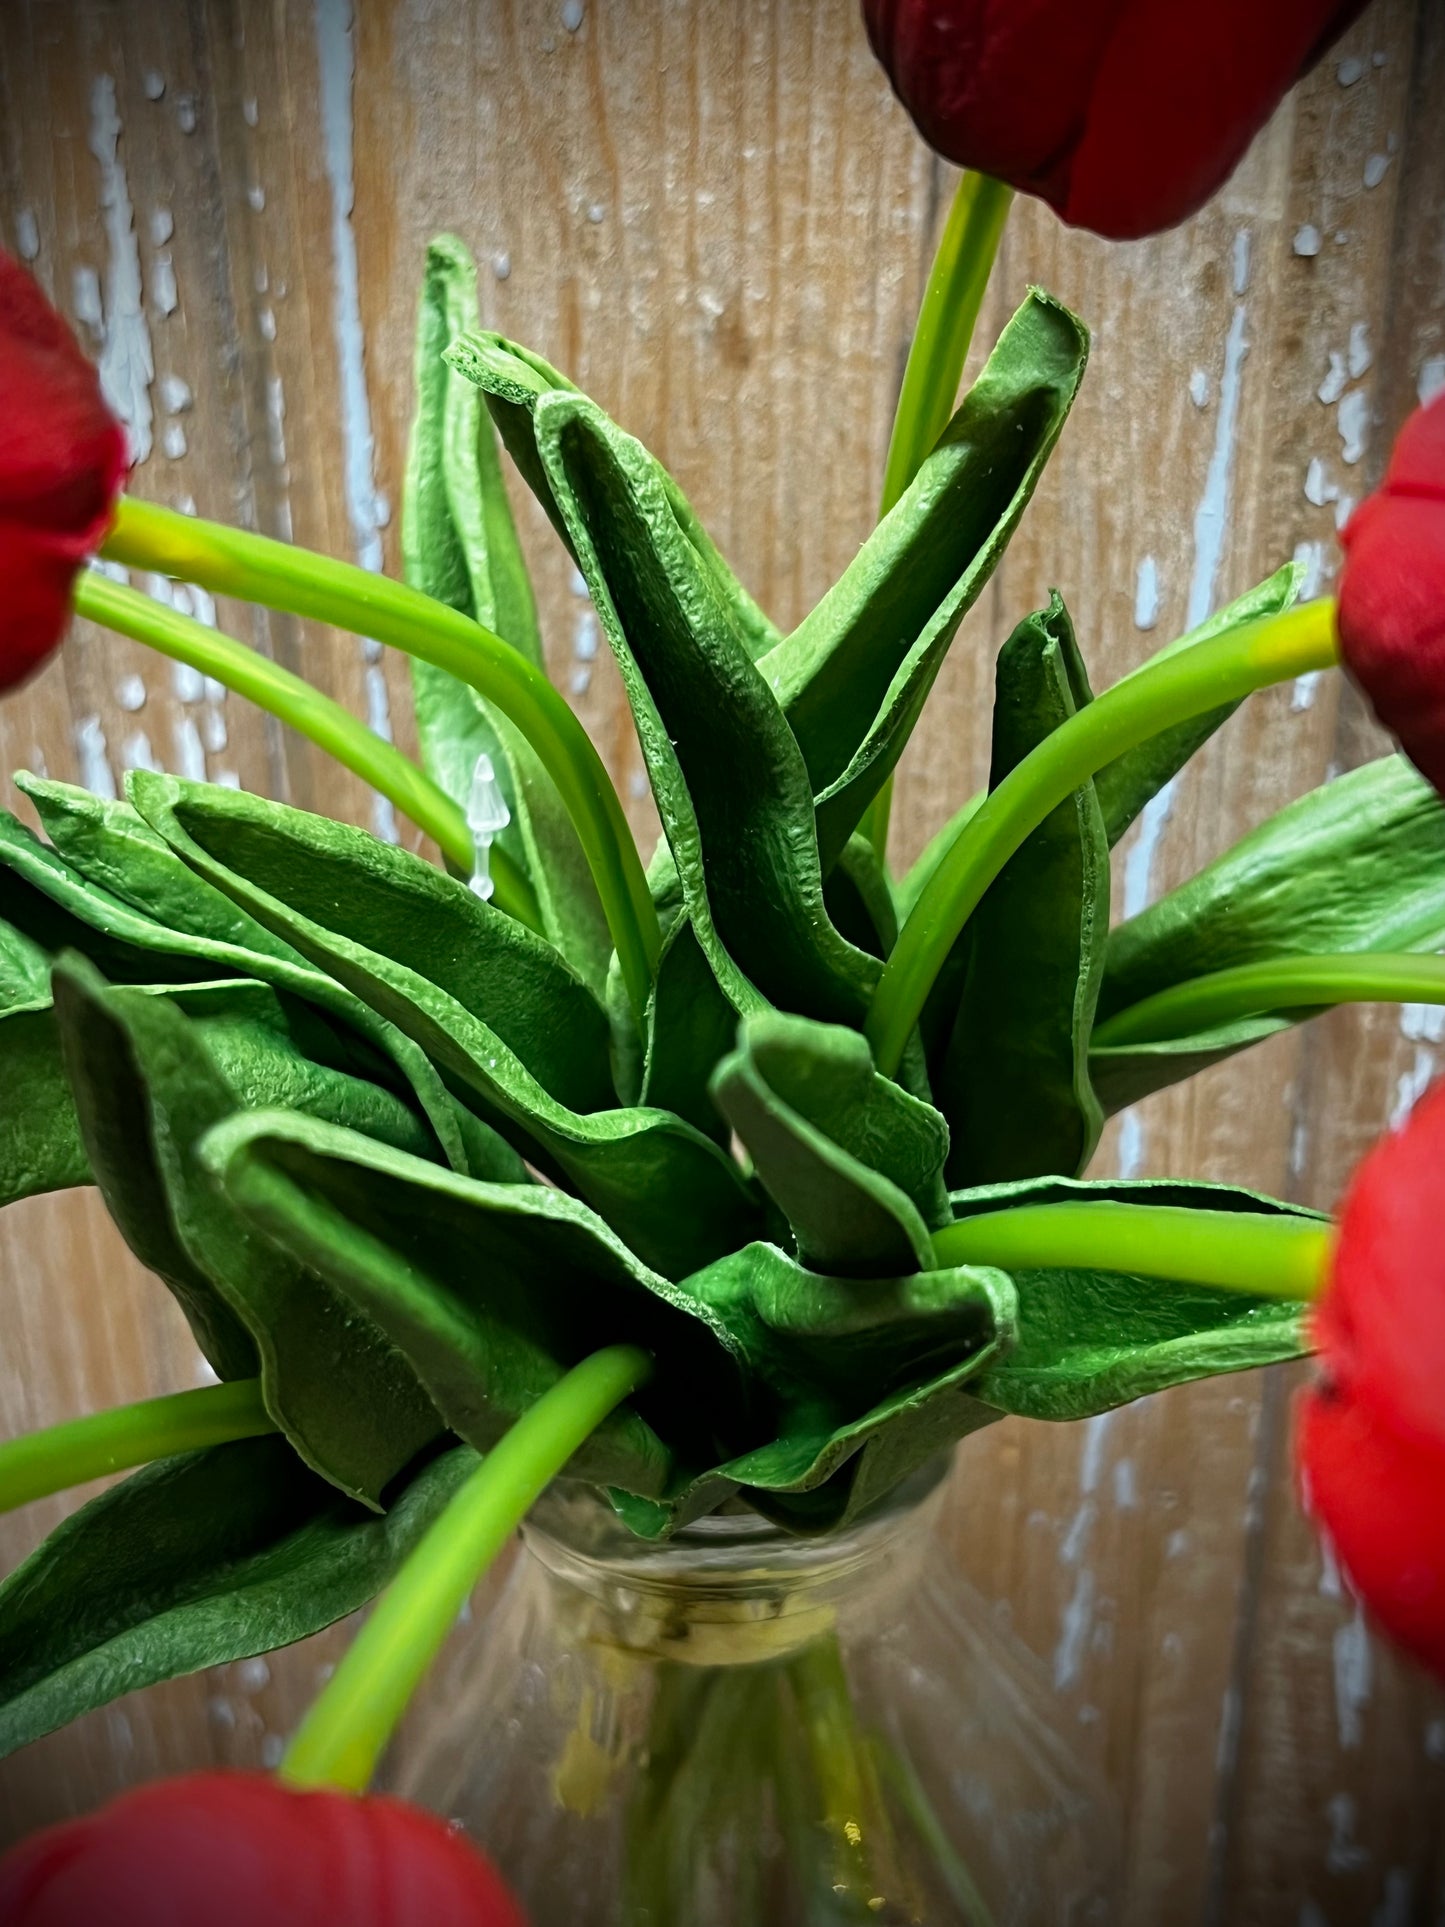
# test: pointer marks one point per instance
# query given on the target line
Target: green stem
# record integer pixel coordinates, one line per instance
(947, 317)
(342, 1737)
(1268, 1256)
(1206, 676)
(313, 715)
(157, 1428)
(234, 562)
(1284, 983)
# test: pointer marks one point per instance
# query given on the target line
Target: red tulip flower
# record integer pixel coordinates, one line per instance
(1392, 593)
(62, 460)
(242, 1850)
(1124, 115)
(1371, 1435)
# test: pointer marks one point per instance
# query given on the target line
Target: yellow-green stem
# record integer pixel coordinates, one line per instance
(1284, 983)
(157, 1428)
(1206, 676)
(324, 722)
(947, 317)
(1268, 1255)
(279, 576)
(342, 1737)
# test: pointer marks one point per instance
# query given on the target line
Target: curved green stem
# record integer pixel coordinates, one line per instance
(342, 1737)
(156, 1428)
(1203, 677)
(1266, 1255)
(313, 715)
(1284, 983)
(947, 317)
(255, 568)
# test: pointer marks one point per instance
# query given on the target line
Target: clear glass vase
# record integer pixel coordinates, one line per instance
(738, 1728)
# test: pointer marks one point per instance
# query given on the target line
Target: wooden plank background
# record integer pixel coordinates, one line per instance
(713, 215)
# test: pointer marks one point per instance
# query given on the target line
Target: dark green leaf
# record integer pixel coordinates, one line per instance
(194, 1562)
(514, 381)
(731, 785)
(146, 1090)
(1127, 784)
(372, 893)
(1356, 865)
(860, 898)
(854, 1163)
(854, 676)
(459, 544)
(492, 1292)
(1090, 1340)
(57, 909)
(620, 1161)
(1013, 1080)
(40, 1147)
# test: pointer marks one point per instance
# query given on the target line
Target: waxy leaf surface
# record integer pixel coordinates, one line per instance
(195, 1561)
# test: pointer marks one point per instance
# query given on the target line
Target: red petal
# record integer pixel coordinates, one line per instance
(1381, 1498)
(240, 1850)
(1417, 461)
(1392, 615)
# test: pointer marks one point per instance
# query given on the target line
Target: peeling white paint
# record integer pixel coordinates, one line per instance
(127, 367)
(596, 213)
(1344, 509)
(266, 322)
(638, 785)
(1199, 388)
(502, 265)
(1126, 1486)
(584, 636)
(1350, 70)
(1242, 245)
(1078, 1617)
(173, 441)
(27, 233)
(1354, 424)
(154, 84)
(250, 110)
(186, 113)
(1432, 379)
(213, 731)
(130, 693)
(256, 197)
(273, 1750)
(1307, 240)
(580, 681)
(1146, 594)
(1333, 385)
(1096, 1430)
(1352, 1669)
(337, 58)
(1313, 559)
(175, 394)
(1376, 168)
(85, 298)
(187, 751)
(1131, 1144)
(135, 753)
(1344, 1853)
(162, 226)
(1360, 354)
(573, 14)
(1319, 489)
(1302, 695)
(96, 774)
(164, 296)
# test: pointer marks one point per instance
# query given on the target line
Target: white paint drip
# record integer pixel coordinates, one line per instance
(1333, 385)
(1126, 1486)
(584, 635)
(1199, 388)
(164, 296)
(1302, 695)
(130, 693)
(1307, 240)
(1376, 168)
(1344, 1853)
(1319, 489)
(127, 368)
(154, 84)
(1354, 423)
(580, 681)
(1397, 1908)
(96, 774)
(136, 753)
(1349, 71)
(502, 265)
(251, 111)
(175, 394)
(162, 226)
(336, 55)
(1360, 355)
(27, 234)
(1314, 560)
(228, 779)
(1078, 1617)
(1432, 379)
(1146, 594)
(213, 731)
(1131, 1145)
(190, 757)
(573, 14)
(173, 441)
(85, 298)
(1351, 1651)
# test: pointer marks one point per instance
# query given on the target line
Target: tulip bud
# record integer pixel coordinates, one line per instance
(242, 1850)
(1392, 593)
(1124, 115)
(62, 461)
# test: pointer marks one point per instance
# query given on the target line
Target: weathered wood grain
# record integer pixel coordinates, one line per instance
(716, 219)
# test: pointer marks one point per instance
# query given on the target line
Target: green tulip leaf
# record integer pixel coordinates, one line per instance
(1356, 865)
(147, 1089)
(619, 1161)
(492, 1292)
(853, 1162)
(459, 544)
(195, 1561)
(853, 677)
(40, 1145)
(729, 779)
(1013, 1076)
(1089, 1340)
